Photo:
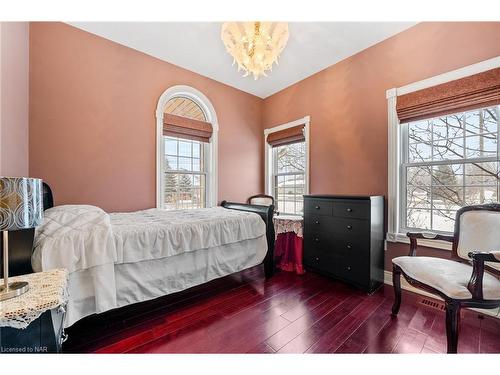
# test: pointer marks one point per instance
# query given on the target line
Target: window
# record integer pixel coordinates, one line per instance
(443, 149)
(187, 150)
(185, 174)
(448, 162)
(289, 177)
(287, 165)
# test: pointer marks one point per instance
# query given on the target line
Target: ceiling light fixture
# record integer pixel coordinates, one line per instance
(255, 46)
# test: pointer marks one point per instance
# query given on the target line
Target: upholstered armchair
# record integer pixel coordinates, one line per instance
(470, 279)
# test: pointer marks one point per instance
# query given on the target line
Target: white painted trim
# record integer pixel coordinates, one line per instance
(393, 157)
(209, 110)
(394, 145)
(268, 149)
(308, 156)
(405, 286)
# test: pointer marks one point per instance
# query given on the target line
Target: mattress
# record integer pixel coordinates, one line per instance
(146, 280)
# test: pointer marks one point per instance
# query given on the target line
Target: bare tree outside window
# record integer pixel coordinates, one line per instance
(449, 162)
(289, 165)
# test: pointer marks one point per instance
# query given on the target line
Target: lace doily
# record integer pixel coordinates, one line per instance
(284, 224)
(47, 290)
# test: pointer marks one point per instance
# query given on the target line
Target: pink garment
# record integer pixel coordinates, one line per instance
(288, 251)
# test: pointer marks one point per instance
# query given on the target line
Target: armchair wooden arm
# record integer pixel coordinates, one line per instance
(485, 257)
(475, 285)
(413, 236)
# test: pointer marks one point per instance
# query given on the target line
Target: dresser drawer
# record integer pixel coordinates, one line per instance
(320, 260)
(350, 246)
(354, 270)
(351, 208)
(318, 207)
(339, 225)
(317, 242)
(337, 245)
(317, 223)
(350, 227)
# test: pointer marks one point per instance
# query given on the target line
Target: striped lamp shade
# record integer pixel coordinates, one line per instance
(21, 205)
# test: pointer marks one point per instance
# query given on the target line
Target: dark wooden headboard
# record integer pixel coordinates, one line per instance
(48, 198)
(266, 213)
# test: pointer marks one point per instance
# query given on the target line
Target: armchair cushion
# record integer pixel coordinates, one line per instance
(449, 277)
(479, 232)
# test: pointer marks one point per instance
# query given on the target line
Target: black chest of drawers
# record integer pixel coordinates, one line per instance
(344, 238)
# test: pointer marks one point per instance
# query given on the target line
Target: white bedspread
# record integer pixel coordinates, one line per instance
(79, 237)
(155, 233)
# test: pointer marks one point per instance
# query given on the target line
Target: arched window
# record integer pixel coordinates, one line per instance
(186, 150)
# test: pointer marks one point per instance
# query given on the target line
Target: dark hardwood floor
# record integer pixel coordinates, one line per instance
(245, 313)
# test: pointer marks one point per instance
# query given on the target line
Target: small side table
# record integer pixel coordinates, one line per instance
(33, 322)
(288, 249)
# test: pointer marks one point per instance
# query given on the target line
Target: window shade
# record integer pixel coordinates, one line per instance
(287, 136)
(186, 128)
(478, 90)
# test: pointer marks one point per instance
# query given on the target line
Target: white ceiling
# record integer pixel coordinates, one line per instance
(197, 46)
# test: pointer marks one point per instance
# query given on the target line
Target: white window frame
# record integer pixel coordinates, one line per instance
(205, 150)
(395, 156)
(269, 152)
(212, 147)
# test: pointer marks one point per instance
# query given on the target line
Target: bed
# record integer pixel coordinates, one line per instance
(119, 259)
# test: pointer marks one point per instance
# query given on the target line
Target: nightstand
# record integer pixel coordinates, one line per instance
(33, 322)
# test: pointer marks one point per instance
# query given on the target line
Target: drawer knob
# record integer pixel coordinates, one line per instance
(317, 207)
(349, 246)
(349, 210)
(316, 239)
(349, 227)
(316, 222)
(348, 268)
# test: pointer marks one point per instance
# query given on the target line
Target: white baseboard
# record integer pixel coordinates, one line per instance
(405, 286)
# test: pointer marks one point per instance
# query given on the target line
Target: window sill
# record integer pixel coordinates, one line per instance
(402, 238)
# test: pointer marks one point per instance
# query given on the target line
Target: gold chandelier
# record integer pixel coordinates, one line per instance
(255, 46)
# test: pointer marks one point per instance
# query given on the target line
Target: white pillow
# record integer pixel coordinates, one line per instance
(74, 237)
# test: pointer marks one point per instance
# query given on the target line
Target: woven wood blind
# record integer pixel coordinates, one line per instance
(186, 128)
(287, 136)
(478, 90)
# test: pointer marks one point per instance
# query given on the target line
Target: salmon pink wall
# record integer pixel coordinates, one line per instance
(348, 107)
(14, 68)
(92, 121)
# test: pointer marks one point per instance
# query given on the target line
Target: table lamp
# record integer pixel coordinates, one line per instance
(21, 207)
